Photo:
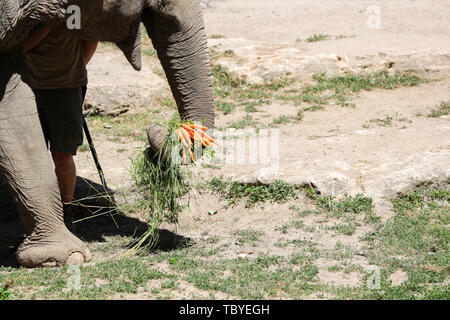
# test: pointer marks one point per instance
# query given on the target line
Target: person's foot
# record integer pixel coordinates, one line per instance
(69, 215)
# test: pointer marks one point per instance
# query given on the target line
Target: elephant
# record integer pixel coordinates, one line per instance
(177, 31)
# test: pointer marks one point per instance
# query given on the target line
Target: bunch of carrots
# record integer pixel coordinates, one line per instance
(190, 132)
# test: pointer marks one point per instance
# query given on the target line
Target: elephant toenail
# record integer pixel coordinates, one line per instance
(75, 259)
(50, 263)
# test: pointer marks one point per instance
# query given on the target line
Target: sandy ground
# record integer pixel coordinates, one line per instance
(405, 26)
(272, 39)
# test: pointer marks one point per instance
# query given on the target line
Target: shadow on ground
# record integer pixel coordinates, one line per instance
(96, 218)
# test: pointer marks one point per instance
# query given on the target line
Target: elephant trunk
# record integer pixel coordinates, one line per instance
(178, 35)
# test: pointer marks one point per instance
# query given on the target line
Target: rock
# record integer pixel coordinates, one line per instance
(89, 109)
(259, 61)
(268, 175)
(336, 182)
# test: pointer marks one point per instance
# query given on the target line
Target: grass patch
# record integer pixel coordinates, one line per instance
(5, 294)
(283, 119)
(225, 107)
(322, 37)
(167, 102)
(233, 192)
(130, 126)
(339, 89)
(297, 224)
(358, 82)
(387, 121)
(416, 240)
(442, 110)
(231, 91)
(346, 207)
(313, 108)
(229, 53)
(149, 51)
(224, 83)
(258, 278)
(356, 204)
(247, 236)
(347, 229)
(246, 121)
(251, 106)
(318, 37)
(300, 96)
(124, 275)
(84, 148)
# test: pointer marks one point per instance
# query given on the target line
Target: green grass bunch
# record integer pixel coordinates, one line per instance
(162, 182)
(5, 294)
(276, 192)
(442, 110)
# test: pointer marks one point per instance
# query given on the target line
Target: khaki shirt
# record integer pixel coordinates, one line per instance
(57, 62)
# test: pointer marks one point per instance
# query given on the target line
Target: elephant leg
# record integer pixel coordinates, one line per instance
(27, 168)
(27, 219)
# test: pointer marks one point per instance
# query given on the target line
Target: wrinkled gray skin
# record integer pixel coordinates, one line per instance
(177, 31)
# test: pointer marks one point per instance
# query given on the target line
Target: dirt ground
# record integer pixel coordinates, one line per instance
(338, 150)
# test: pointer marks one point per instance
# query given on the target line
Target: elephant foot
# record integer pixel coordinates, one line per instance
(58, 249)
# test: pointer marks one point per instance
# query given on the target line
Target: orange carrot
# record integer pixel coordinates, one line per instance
(197, 136)
(186, 135)
(189, 129)
(196, 126)
(184, 142)
(191, 134)
(200, 132)
(204, 134)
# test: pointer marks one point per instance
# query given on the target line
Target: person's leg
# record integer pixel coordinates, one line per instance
(66, 174)
(63, 124)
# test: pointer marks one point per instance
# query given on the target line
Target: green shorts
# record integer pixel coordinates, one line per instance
(61, 115)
